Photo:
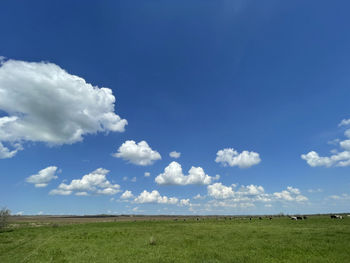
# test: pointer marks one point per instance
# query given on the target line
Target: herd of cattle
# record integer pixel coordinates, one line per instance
(305, 217)
(298, 217)
(336, 216)
(261, 217)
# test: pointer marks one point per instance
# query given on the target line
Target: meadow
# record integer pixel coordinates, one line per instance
(317, 239)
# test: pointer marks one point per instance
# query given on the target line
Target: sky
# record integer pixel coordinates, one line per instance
(174, 107)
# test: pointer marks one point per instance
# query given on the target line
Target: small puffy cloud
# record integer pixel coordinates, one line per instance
(92, 183)
(198, 196)
(220, 191)
(127, 195)
(251, 190)
(345, 145)
(173, 175)
(137, 153)
(60, 192)
(175, 154)
(147, 174)
(339, 159)
(293, 190)
(285, 195)
(251, 194)
(44, 176)
(344, 122)
(229, 204)
(291, 194)
(46, 104)
(155, 197)
(6, 152)
(244, 193)
(347, 133)
(133, 179)
(185, 202)
(340, 197)
(231, 157)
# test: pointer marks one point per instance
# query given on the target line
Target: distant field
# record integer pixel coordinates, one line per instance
(317, 239)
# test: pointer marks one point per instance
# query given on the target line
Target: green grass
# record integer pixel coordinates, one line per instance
(317, 239)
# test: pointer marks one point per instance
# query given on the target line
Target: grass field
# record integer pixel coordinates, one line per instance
(317, 239)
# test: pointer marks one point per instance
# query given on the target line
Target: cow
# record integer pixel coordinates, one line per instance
(336, 217)
(293, 218)
(304, 217)
(299, 218)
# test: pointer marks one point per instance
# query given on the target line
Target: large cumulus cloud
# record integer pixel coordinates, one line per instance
(44, 103)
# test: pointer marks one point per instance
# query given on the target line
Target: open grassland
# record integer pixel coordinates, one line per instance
(317, 239)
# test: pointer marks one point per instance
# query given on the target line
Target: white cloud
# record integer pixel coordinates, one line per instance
(231, 157)
(285, 195)
(133, 179)
(43, 177)
(125, 178)
(293, 190)
(227, 203)
(244, 193)
(252, 193)
(198, 196)
(46, 104)
(175, 154)
(92, 183)
(173, 175)
(185, 202)
(251, 190)
(345, 145)
(60, 192)
(127, 195)
(338, 159)
(334, 142)
(147, 174)
(81, 194)
(340, 197)
(6, 152)
(318, 190)
(347, 133)
(344, 122)
(291, 194)
(137, 153)
(220, 191)
(155, 197)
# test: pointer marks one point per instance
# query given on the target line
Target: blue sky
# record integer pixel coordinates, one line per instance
(253, 94)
